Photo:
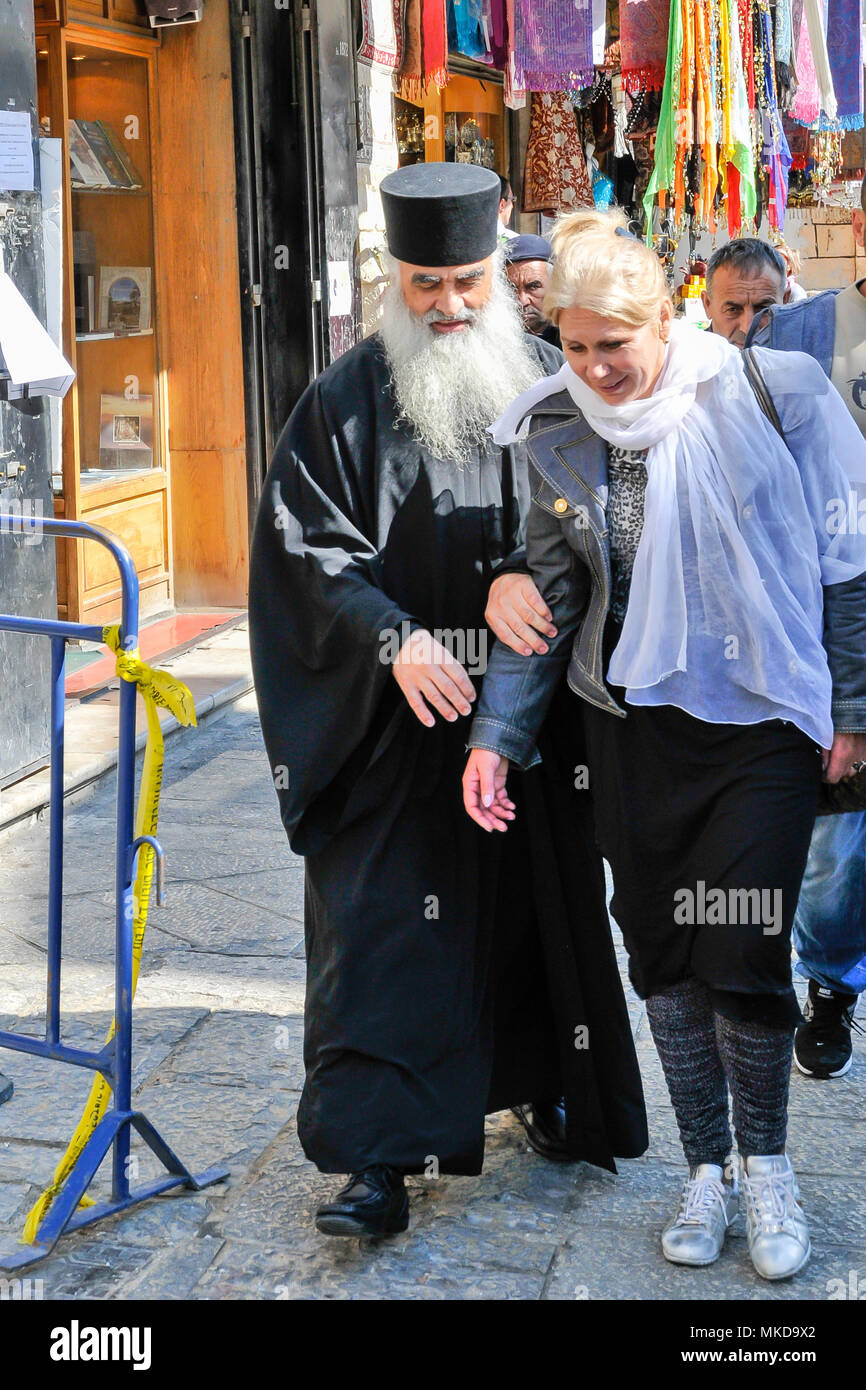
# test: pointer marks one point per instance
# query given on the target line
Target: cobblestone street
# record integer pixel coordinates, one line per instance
(218, 1068)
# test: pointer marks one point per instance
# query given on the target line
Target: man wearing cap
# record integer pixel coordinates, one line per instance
(527, 265)
(445, 979)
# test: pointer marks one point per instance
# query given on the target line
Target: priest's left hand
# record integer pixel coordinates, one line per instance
(484, 794)
(847, 750)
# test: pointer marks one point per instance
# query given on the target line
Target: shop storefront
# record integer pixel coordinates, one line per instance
(153, 432)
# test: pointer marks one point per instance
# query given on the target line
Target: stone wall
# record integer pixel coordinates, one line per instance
(825, 240)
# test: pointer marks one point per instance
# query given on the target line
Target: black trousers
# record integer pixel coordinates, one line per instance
(706, 828)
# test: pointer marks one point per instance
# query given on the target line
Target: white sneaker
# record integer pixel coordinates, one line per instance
(775, 1222)
(696, 1234)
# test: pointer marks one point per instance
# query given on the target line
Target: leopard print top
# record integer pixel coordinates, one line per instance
(627, 479)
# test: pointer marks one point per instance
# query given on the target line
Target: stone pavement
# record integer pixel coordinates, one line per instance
(218, 1023)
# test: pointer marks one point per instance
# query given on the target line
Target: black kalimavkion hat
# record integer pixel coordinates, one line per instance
(441, 214)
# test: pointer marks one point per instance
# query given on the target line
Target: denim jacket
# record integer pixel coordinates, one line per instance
(568, 555)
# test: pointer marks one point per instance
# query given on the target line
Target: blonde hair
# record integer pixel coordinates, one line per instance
(789, 256)
(596, 267)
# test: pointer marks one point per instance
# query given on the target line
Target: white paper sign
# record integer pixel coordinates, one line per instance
(16, 152)
(30, 356)
(339, 289)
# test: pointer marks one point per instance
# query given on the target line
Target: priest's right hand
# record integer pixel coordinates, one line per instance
(484, 794)
(428, 675)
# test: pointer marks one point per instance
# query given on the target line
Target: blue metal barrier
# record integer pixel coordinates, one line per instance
(114, 1061)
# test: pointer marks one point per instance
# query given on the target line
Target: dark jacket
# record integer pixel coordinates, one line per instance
(569, 557)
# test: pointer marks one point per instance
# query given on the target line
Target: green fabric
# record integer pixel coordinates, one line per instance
(666, 147)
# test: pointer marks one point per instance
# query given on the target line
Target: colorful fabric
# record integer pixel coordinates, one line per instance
(776, 154)
(466, 29)
(670, 120)
(744, 22)
(736, 154)
(707, 133)
(844, 48)
(555, 177)
(643, 36)
(425, 46)
(816, 92)
(515, 93)
(783, 32)
(381, 33)
(553, 44)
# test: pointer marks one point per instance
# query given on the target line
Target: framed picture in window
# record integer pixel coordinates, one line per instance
(124, 298)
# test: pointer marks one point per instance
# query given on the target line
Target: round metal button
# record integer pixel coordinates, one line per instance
(560, 505)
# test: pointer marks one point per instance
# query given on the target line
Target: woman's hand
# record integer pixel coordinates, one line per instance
(484, 793)
(839, 760)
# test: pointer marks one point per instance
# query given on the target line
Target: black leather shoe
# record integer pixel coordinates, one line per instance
(373, 1203)
(544, 1122)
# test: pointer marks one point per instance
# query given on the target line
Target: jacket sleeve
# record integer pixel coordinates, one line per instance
(831, 455)
(845, 644)
(517, 690)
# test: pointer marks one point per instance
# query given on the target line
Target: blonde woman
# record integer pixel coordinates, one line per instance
(714, 625)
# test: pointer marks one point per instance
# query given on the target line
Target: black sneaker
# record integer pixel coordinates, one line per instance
(822, 1045)
(373, 1203)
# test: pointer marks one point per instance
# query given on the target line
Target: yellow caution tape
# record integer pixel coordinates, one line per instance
(156, 688)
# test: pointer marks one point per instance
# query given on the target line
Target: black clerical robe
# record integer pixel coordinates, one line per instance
(450, 972)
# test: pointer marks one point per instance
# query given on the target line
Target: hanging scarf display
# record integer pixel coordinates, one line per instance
(643, 36)
(381, 33)
(736, 157)
(685, 124)
(496, 28)
(816, 20)
(553, 44)
(707, 133)
(514, 94)
(669, 124)
(599, 31)
(466, 33)
(425, 46)
(845, 51)
(816, 94)
(555, 177)
(744, 21)
(777, 154)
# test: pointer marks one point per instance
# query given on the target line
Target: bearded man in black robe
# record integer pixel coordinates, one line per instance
(447, 977)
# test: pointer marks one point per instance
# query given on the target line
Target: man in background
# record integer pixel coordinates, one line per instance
(743, 278)
(504, 234)
(830, 926)
(527, 265)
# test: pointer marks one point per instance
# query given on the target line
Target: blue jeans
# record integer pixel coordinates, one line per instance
(830, 924)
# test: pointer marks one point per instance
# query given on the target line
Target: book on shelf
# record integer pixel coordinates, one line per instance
(121, 154)
(97, 158)
(84, 278)
(86, 170)
(104, 153)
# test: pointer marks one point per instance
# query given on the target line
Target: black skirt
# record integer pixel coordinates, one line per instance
(706, 828)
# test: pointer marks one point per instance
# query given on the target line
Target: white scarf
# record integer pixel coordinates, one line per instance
(725, 609)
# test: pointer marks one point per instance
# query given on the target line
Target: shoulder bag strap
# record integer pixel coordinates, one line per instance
(762, 394)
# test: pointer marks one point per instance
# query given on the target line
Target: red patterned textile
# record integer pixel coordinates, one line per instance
(643, 35)
(555, 177)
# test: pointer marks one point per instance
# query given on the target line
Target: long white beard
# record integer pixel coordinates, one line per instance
(449, 387)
